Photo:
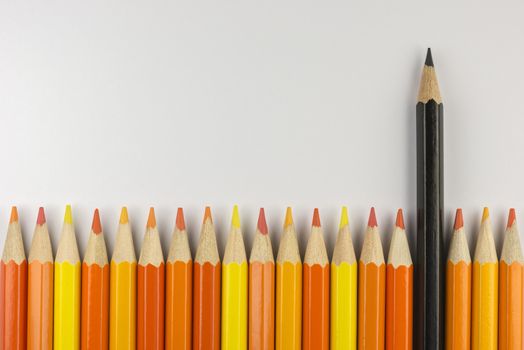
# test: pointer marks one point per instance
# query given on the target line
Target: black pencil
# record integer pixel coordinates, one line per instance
(429, 292)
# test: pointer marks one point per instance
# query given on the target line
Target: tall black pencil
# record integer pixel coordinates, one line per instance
(429, 269)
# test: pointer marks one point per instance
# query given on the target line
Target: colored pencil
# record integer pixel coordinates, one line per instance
(399, 290)
(315, 309)
(67, 288)
(429, 293)
(151, 289)
(458, 289)
(511, 289)
(289, 289)
(344, 289)
(13, 289)
(206, 289)
(122, 290)
(94, 324)
(261, 289)
(179, 289)
(485, 289)
(371, 289)
(40, 288)
(234, 289)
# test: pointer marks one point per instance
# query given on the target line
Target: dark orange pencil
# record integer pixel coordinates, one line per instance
(315, 309)
(151, 284)
(13, 289)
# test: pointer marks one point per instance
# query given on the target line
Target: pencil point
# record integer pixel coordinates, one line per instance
(262, 225)
(485, 214)
(235, 220)
(124, 218)
(207, 214)
(96, 227)
(512, 217)
(151, 220)
(372, 222)
(429, 58)
(400, 220)
(316, 218)
(459, 220)
(14, 215)
(68, 216)
(41, 216)
(180, 221)
(289, 217)
(344, 220)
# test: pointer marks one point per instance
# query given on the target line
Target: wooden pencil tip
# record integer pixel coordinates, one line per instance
(344, 219)
(400, 220)
(41, 216)
(235, 219)
(68, 216)
(316, 218)
(289, 217)
(429, 58)
(485, 214)
(96, 227)
(459, 220)
(14, 215)
(512, 217)
(180, 221)
(207, 214)
(124, 217)
(262, 225)
(372, 222)
(151, 219)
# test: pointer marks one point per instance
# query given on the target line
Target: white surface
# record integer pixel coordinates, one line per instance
(184, 103)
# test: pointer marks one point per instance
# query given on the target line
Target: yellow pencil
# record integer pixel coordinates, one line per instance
(344, 290)
(122, 295)
(67, 288)
(485, 289)
(234, 289)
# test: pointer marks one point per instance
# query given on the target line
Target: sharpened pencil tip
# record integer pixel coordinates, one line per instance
(14, 215)
(372, 222)
(289, 217)
(207, 214)
(124, 218)
(400, 220)
(68, 216)
(485, 214)
(235, 219)
(459, 220)
(151, 219)
(96, 227)
(180, 221)
(344, 220)
(512, 217)
(316, 218)
(41, 216)
(429, 58)
(262, 224)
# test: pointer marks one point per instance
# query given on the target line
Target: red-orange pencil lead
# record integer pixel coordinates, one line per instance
(41, 216)
(400, 220)
(151, 220)
(14, 215)
(262, 225)
(372, 222)
(207, 214)
(316, 218)
(512, 217)
(459, 221)
(96, 226)
(180, 221)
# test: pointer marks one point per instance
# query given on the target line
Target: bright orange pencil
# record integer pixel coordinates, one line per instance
(13, 289)
(179, 289)
(94, 324)
(206, 289)
(511, 289)
(40, 288)
(458, 289)
(315, 313)
(399, 290)
(151, 284)
(261, 290)
(371, 289)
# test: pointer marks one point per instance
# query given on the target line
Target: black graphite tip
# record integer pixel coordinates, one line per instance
(429, 58)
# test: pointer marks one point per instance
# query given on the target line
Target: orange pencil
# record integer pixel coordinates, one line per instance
(511, 289)
(399, 290)
(179, 285)
(40, 288)
(206, 289)
(315, 320)
(94, 324)
(371, 289)
(13, 289)
(261, 290)
(151, 284)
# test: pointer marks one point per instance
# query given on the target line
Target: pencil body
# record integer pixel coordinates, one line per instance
(344, 306)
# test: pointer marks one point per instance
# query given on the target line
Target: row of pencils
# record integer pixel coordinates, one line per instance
(236, 303)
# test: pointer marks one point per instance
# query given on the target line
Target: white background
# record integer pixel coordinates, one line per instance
(268, 103)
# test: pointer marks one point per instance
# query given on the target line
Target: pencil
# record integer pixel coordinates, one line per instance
(485, 289)
(315, 316)
(206, 289)
(151, 284)
(234, 289)
(458, 289)
(122, 289)
(94, 325)
(179, 285)
(261, 289)
(289, 289)
(67, 288)
(13, 289)
(429, 293)
(511, 289)
(371, 289)
(40, 288)
(344, 289)
(399, 290)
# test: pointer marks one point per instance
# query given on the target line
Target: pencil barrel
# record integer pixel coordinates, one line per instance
(179, 307)
(485, 306)
(458, 305)
(315, 320)
(399, 307)
(67, 306)
(289, 306)
(95, 307)
(234, 306)
(13, 305)
(150, 307)
(261, 306)
(122, 313)
(206, 306)
(40, 306)
(511, 321)
(344, 292)
(371, 306)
